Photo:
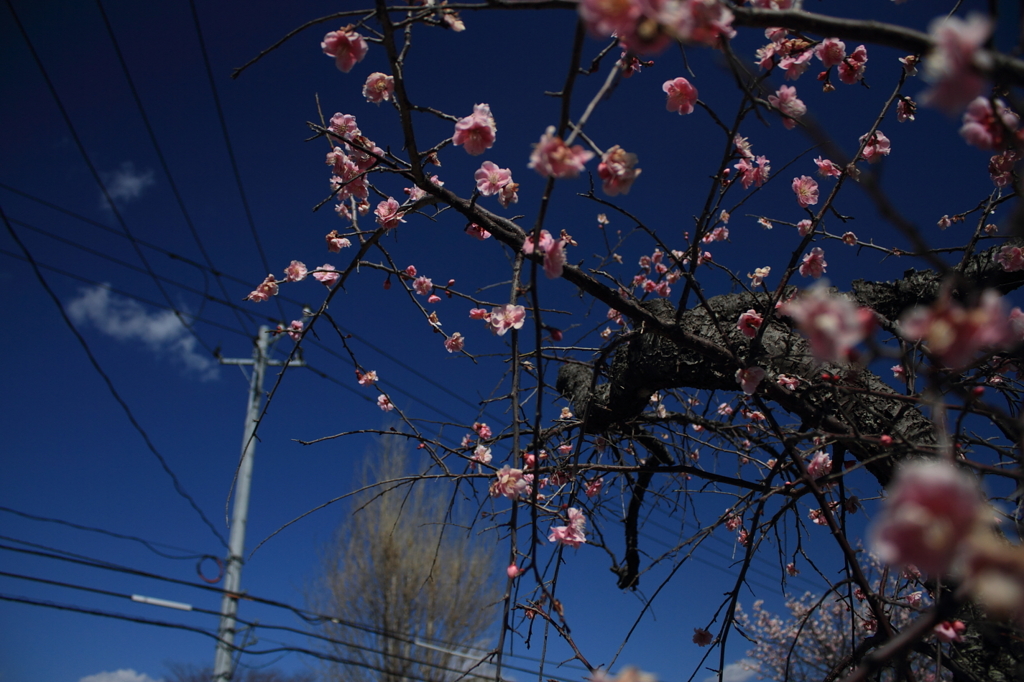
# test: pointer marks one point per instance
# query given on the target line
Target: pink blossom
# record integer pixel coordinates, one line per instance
(954, 334)
(1010, 258)
(796, 65)
(508, 194)
(906, 109)
(507, 317)
(732, 522)
(344, 126)
(552, 158)
(379, 87)
(617, 171)
(806, 189)
(422, 285)
(347, 47)
(594, 487)
(326, 275)
(702, 637)
(388, 215)
(804, 227)
(787, 381)
(791, 569)
(751, 175)
(295, 329)
(682, 96)
(983, 129)
(295, 272)
(759, 276)
(875, 147)
(749, 323)
(366, 378)
(335, 242)
(787, 104)
(476, 132)
(1000, 168)
(852, 68)
(510, 483)
(952, 67)
(827, 169)
(266, 289)
(481, 455)
(514, 571)
(477, 232)
(814, 263)
(724, 409)
(490, 179)
(849, 238)
(482, 430)
(573, 534)
(478, 314)
(455, 343)
(831, 52)
(931, 509)
(553, 250)
(832, 324)
(749, 379)
(820, 464)
(950, 631)
(384, 403)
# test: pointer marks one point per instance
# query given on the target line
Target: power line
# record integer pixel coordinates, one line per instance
(110, 384)
(92, 168)
(119, 292)
(227, 143)
(355, 336)
(148, 544)
(163, 161)
(306, 615)
(201, 631)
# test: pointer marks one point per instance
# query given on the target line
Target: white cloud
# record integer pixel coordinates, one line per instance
(123, 675)
(127, 320)
(126, 184)
(740, 671)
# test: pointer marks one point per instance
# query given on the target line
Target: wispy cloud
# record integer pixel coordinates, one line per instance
(127, 320)
(740, 671)
(126, 184)
(123, 675)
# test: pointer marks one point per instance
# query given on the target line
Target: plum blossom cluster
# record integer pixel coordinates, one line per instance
(657, 275)
(501, 319)
(751, 170)
(617, 171)
(511, 483)
(956, 64)
(954, 334)
(553, 250)
(988, 129)
(832, 324)
(492, 180)
(794, 55)
(352, 157)
(574, 533)
(646, 27)
(553, 158)
(789, 105)
(475, 133)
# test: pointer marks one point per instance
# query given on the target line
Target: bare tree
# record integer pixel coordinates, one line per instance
(413, 593)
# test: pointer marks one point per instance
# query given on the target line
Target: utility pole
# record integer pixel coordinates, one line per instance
(222, 669)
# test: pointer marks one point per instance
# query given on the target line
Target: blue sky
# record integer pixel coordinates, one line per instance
(70, 452)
